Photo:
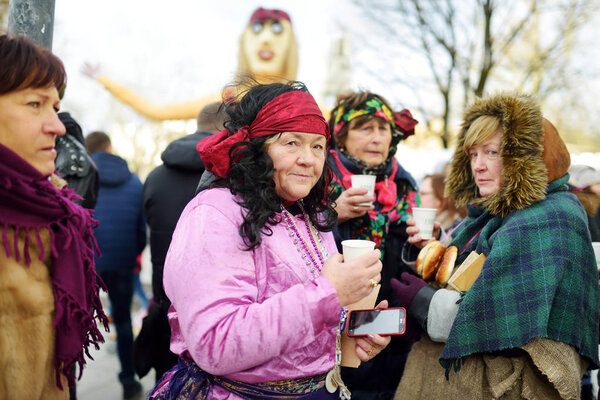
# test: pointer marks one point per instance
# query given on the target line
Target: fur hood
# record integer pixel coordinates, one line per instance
(532, 152)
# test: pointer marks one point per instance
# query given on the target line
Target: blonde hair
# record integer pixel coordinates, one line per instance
(483, 128)
(290, 68)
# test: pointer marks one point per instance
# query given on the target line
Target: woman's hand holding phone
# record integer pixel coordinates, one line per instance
(369, 346)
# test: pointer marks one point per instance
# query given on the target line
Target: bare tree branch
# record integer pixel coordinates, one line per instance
(469, 44)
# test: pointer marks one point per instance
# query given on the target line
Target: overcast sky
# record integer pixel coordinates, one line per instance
(176, 50)
(185, 49)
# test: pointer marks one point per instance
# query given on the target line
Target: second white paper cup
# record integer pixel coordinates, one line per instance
(596, 246)
(354, 248)
(424, 219)
(367, 182)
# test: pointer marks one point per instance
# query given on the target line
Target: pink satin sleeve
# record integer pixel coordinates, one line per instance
(251, 315)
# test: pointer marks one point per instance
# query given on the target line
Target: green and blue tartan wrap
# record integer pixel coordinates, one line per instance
(539, 279)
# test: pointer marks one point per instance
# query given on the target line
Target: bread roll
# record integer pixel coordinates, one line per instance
(446, 266)
(421, 259)
(431, 258)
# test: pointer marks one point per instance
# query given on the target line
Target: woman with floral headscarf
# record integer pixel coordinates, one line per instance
(366, 132)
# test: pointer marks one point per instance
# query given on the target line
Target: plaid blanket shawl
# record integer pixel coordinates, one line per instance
(539, 280)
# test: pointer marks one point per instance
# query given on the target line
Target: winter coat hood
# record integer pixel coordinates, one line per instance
(182, 154)
(113, 169)
(532, 153)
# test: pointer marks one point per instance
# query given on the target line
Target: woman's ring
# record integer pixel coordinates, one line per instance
(355, 207)
(370, 352)
(373, 283)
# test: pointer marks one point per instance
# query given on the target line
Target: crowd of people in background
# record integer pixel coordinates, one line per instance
(245, 220)
(121, 237)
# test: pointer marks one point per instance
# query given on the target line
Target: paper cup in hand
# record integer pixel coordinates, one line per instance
(367, 182)
(424, 219)
(354, 248)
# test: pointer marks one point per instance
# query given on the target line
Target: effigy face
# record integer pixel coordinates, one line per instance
(265, 45)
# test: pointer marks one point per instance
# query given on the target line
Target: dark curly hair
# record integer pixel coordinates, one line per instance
(251, 169)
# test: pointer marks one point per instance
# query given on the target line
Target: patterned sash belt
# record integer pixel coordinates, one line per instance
(187, 381)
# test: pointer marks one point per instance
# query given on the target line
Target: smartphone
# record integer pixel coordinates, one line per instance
(388, 321)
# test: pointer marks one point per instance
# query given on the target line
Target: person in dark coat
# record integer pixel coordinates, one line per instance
(167, 190)
(121, 236)
(74, 164)
(586, 186)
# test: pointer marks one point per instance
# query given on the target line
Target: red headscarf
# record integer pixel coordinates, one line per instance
(289, 112)
(264, 14)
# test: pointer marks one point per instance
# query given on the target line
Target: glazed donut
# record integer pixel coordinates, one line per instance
(429, 258)
(446, 266)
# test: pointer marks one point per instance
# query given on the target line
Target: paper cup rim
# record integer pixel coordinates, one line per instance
(363, 175)
(358, 242)
(368, 177)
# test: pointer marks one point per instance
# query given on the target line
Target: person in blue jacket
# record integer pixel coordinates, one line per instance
(121, 236)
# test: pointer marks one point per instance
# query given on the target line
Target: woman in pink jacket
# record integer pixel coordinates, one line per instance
(256, 284)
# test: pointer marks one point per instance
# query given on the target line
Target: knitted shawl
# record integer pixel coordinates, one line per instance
(29, 201)
(539, 277)
(539, 280)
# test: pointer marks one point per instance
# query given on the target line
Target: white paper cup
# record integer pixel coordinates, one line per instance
(354, 248)
(367, 182)
(424, 219)
(596, 246)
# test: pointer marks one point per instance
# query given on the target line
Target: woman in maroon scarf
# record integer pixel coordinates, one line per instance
(48, 285)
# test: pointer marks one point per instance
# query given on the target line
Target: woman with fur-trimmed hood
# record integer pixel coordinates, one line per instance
(528, 327)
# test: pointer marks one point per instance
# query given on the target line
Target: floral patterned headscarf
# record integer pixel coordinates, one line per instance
(402, 125)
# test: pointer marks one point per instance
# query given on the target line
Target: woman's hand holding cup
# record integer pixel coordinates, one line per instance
(352, 203)
(415, 238)
(353, 280)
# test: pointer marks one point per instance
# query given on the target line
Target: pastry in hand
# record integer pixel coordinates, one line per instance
(428, 259)
(446, 266)
(435, 262)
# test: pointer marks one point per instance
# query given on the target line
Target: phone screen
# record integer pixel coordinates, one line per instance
(390, 321)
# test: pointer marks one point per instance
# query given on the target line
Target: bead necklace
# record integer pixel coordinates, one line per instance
(300, 242)
(333, 380)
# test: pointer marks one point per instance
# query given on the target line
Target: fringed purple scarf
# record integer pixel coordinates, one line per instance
(28, 200)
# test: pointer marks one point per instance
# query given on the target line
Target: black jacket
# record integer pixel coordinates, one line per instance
(167, 190)
(74, 164)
